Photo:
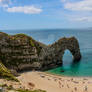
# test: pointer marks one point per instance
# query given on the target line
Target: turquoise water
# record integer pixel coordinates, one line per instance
(82, 68)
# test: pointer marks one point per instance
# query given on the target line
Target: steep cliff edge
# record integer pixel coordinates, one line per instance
(20, 52)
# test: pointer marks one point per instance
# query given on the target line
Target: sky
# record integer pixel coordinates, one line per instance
(45, 14)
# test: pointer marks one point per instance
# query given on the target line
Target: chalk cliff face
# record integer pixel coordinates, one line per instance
(20, 52)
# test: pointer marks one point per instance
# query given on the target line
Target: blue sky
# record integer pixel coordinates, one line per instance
(45, 14)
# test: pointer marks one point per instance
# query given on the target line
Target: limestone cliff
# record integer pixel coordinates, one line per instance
(20, 52)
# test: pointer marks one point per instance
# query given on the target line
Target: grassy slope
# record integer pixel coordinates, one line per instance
(5, 73)
(31, 91)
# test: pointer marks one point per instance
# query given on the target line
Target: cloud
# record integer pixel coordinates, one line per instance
(81, 10)
(19, 9)
(25, 9)
(4, 3)
(63, 0)
(82, 19)
(84, 5)
(0, 0)
(4, 0)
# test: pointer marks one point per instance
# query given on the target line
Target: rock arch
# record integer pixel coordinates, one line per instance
(20, 52)
(68, 43)
(58, 49)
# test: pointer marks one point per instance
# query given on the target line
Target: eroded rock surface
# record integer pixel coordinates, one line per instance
(20, 52)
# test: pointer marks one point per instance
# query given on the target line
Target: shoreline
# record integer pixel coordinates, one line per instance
(55, 83)
(67, 75)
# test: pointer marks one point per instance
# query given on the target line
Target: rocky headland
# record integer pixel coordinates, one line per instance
(21, 52)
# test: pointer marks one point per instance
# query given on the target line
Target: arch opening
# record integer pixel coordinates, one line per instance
(67, 58)
(68, 61)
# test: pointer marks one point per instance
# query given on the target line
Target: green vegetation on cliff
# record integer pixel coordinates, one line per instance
(5, 73)
(32, 44)
(30, 91)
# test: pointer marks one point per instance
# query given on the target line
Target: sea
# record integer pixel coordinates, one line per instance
(69, 68)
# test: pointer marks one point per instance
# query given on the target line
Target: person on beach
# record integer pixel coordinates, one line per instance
(59, 84)
(86, 88)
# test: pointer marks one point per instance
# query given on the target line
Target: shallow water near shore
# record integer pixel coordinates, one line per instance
(69, 68)
(82, 68)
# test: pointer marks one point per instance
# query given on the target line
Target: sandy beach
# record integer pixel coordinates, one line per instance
(54, 83)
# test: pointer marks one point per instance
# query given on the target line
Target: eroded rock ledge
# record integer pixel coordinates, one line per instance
(20, 52)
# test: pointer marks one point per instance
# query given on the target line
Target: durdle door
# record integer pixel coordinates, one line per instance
(19, 52)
